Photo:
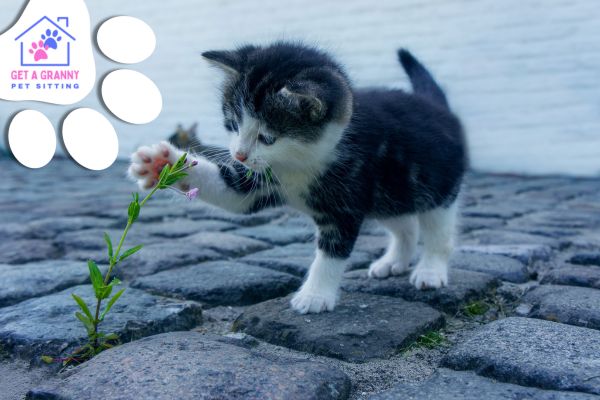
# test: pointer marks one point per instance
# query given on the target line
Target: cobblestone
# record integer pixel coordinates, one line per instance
(528, 247)
(361, 328)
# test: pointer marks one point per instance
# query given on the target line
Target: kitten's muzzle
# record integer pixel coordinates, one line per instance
(241, 157)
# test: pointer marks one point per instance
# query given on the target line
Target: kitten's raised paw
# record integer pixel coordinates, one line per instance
(429, 278)
(148, 162)
(311, 303)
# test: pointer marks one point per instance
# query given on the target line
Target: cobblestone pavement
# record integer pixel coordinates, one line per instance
(206, 311)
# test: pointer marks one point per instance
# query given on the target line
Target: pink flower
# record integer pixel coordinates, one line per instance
(192, 194)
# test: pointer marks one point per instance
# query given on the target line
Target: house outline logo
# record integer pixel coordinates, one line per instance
(57, 28)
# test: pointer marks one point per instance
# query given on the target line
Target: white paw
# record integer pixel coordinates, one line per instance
(310, 302)
(386, 266)
(148, 162)
(429, 278)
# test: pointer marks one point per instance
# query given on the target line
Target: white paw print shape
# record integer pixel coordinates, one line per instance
(48, 57)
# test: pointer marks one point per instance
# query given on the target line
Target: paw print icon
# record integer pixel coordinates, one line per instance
(47, 56)
(51, 39)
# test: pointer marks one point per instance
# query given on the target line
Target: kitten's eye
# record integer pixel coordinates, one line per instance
(266, 140)
(232, 126)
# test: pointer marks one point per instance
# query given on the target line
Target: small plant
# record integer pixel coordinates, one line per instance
(429, 340)
(476, 308)
(104, 285)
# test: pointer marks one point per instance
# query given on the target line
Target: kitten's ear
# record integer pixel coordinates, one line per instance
(193, 129)
(228, 61)
(303, 98)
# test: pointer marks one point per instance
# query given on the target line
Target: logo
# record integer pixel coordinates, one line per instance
(46, 44)
(45, 57)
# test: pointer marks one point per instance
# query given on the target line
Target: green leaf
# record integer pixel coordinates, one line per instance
(109, 244)
(249, 174)
(174, 178)
(111, 302)
(180, 163)
(47, 359)
(111, 336)
(96, 277)
(131, 252)
(83, 306)
(164, 174)
(89, 326)
(133, 211)
(107, 290)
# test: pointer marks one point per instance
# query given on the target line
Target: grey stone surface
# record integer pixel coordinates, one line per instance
(586, 258)
(93, 239)
(495, 237)
(464, 286)
(192, 366)
(526, 253)
(468, 224)
(549, 225)
(25, 281)
(296, 258)
(532, 352)
(492, 210)
(178, 228)
(225, 243)
(278, 234)
(575, 275)
(163, 256)
(505, 268)
(206, 212)
(46, 325)
(14, 230)
(460, 385)
(26, 250)
(567, 304)
(220, 283)
(49, 228)
(362, 327)
(371, 244)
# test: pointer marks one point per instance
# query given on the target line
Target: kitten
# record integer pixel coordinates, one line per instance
(339, 154)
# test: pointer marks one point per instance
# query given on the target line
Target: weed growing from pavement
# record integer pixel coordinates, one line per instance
(429, 340)
(103, 286)
(476, 308)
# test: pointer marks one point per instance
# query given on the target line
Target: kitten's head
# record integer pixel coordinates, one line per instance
(285, 105)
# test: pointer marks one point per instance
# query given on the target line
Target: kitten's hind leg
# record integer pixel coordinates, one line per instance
(438, 228)
(404, 234)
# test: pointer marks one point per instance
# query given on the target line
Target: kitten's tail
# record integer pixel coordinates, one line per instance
(421, 80)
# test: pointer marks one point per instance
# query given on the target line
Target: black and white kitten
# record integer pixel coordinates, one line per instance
(338, 154)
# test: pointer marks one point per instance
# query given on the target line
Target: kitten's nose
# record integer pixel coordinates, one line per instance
(241, 156)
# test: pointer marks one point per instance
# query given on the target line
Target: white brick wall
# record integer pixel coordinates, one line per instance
(523, 74)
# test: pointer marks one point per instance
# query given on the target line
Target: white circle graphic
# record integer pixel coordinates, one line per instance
(132, 96)
(90, 139)
(126, 40)
(32, 139)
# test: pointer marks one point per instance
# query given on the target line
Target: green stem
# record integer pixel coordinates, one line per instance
(115, 259)
(113, 263)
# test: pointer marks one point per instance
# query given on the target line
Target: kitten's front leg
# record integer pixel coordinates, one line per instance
(219, 184)
(320, 290)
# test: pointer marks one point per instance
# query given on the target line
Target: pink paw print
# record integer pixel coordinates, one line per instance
(39, 51)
